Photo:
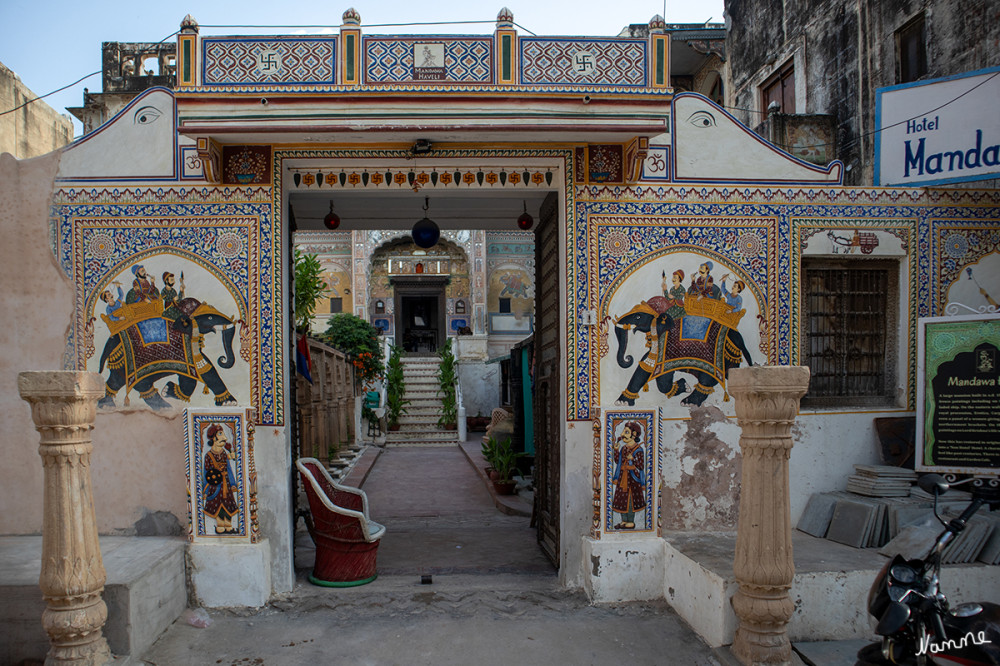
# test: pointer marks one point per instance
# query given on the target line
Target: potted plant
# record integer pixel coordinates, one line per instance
(488, 449)
(504, 461)
(395, 388)
(309, 288)
(448, 376)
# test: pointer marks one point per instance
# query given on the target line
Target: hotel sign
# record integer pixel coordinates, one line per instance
(941, 131)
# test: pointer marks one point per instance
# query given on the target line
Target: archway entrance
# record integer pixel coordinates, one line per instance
(419, 304)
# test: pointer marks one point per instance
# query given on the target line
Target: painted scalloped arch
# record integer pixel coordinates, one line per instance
(138, 143)
(711, 146)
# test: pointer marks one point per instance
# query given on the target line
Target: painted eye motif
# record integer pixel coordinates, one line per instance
(702, 119)
(146, 115)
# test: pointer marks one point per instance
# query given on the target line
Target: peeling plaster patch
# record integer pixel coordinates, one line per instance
(595, 564)
(670, 591)
(670, 452)
(700, 485)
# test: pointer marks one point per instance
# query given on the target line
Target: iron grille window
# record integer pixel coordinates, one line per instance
(336, 305)
(848, 320)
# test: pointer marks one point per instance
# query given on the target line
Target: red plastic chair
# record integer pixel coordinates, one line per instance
(346, 538)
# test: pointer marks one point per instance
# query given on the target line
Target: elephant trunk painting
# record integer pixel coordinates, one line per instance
(145, 346)
(702, 341)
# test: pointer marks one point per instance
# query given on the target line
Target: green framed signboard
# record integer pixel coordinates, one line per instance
(958, 394)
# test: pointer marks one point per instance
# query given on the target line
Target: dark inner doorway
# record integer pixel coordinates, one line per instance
(421, 323)
(420, 313)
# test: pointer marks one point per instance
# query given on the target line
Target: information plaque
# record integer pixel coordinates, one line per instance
(958, 394)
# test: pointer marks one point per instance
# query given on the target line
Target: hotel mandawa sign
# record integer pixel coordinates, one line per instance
(939, 131)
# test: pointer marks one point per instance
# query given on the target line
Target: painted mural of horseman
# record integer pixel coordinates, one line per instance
(701, 339)
(147, 345)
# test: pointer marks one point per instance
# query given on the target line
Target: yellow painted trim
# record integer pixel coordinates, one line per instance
(187, 61)
(350, 57)
(501, 37)
(659, 61)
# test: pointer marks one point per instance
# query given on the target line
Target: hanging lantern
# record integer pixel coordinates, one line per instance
(524, 221)
(425, 232)
(332, 220)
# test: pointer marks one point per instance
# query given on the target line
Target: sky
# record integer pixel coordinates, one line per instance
(52, 43)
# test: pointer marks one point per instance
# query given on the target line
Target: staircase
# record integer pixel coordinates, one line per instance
(419, 425)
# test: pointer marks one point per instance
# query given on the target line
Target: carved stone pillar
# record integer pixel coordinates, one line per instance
(767, 401)
(63, 407)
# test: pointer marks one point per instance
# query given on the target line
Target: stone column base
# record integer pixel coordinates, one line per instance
(224, 575)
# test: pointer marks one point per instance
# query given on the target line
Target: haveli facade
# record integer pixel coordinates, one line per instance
(672, 244)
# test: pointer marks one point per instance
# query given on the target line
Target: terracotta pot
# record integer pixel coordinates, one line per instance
(504, 487)
(492, 474)
(450, 426)
(394, 428)
(477, 423)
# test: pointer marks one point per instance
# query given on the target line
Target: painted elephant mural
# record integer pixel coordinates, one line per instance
(147, 345)
(701, 339)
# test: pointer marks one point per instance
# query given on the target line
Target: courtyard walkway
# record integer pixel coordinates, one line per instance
(494, 598)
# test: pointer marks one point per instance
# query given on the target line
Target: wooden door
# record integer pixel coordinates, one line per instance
(546, 403)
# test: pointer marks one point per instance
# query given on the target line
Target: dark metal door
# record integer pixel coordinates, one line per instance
(547, 379)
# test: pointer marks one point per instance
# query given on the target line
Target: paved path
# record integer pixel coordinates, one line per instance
(494, 598)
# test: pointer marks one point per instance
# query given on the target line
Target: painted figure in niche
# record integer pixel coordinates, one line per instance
(629, 477)
(113, 304)
(221, 491)
(143, 286)
(733, 298)
(512, 286)
(170, 296)
(153, 338)
(700, 338)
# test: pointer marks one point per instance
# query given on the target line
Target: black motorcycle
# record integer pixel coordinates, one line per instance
(915, 621)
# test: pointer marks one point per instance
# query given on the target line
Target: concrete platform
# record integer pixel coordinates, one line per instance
(145, 592)
(829, 590)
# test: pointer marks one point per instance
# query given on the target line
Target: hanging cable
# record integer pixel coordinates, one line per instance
(70, 85)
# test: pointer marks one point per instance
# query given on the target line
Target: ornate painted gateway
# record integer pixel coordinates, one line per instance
(679, 245)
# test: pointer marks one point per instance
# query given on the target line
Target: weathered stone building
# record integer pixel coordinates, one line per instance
(29, 129)
(819, 62)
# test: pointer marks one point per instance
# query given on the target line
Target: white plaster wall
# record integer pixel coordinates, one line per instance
(826, 446)
(577, 500)
(34, 336)
(480, 387)
(624, 568)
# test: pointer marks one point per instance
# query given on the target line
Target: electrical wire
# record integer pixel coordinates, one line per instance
(35, 99)
(70, 85)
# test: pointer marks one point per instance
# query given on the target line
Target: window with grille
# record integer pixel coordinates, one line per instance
(911, 51)
(849, 323)
(336, 305)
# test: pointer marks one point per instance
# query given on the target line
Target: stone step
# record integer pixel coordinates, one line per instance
(410, 435)
(145, 592)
